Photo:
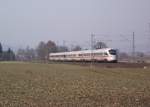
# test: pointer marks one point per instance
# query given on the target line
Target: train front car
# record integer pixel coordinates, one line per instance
(112, 55)
(99, 55)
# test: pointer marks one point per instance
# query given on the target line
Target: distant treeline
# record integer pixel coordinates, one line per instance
(8, 55)
(41, 52)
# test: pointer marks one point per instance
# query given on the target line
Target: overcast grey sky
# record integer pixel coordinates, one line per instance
(26, 22)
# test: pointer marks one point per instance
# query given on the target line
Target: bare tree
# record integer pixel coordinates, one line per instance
(1, 52)
(27, 54)
(41, 50)
(44, 49)
(1, 48)
(100, 45)
(140, 54)
(77, 48)
(30, 53)
(51, 46)
(62, 49)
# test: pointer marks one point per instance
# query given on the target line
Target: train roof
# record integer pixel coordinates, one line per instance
(83, 51)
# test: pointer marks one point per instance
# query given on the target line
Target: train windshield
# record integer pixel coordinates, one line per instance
(113, 52)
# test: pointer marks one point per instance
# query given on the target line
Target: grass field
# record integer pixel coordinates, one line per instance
(62, 85)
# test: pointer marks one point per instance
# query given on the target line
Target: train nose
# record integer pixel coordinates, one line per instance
(112, 58)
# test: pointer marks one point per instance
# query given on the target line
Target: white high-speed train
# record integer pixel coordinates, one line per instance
(105, 55)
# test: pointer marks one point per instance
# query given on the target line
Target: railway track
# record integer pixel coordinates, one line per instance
(108, 65)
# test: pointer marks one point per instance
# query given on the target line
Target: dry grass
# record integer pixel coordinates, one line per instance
(60, 85)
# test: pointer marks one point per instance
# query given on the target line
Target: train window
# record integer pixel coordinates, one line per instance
(100, 54)
(105, 53)
(94, 53)
(80, 54)
(85, 54)
(112, 52)
(88, 54)
(67, 55)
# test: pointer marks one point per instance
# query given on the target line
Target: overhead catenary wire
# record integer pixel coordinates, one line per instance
(92, 43)
(133, 47)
